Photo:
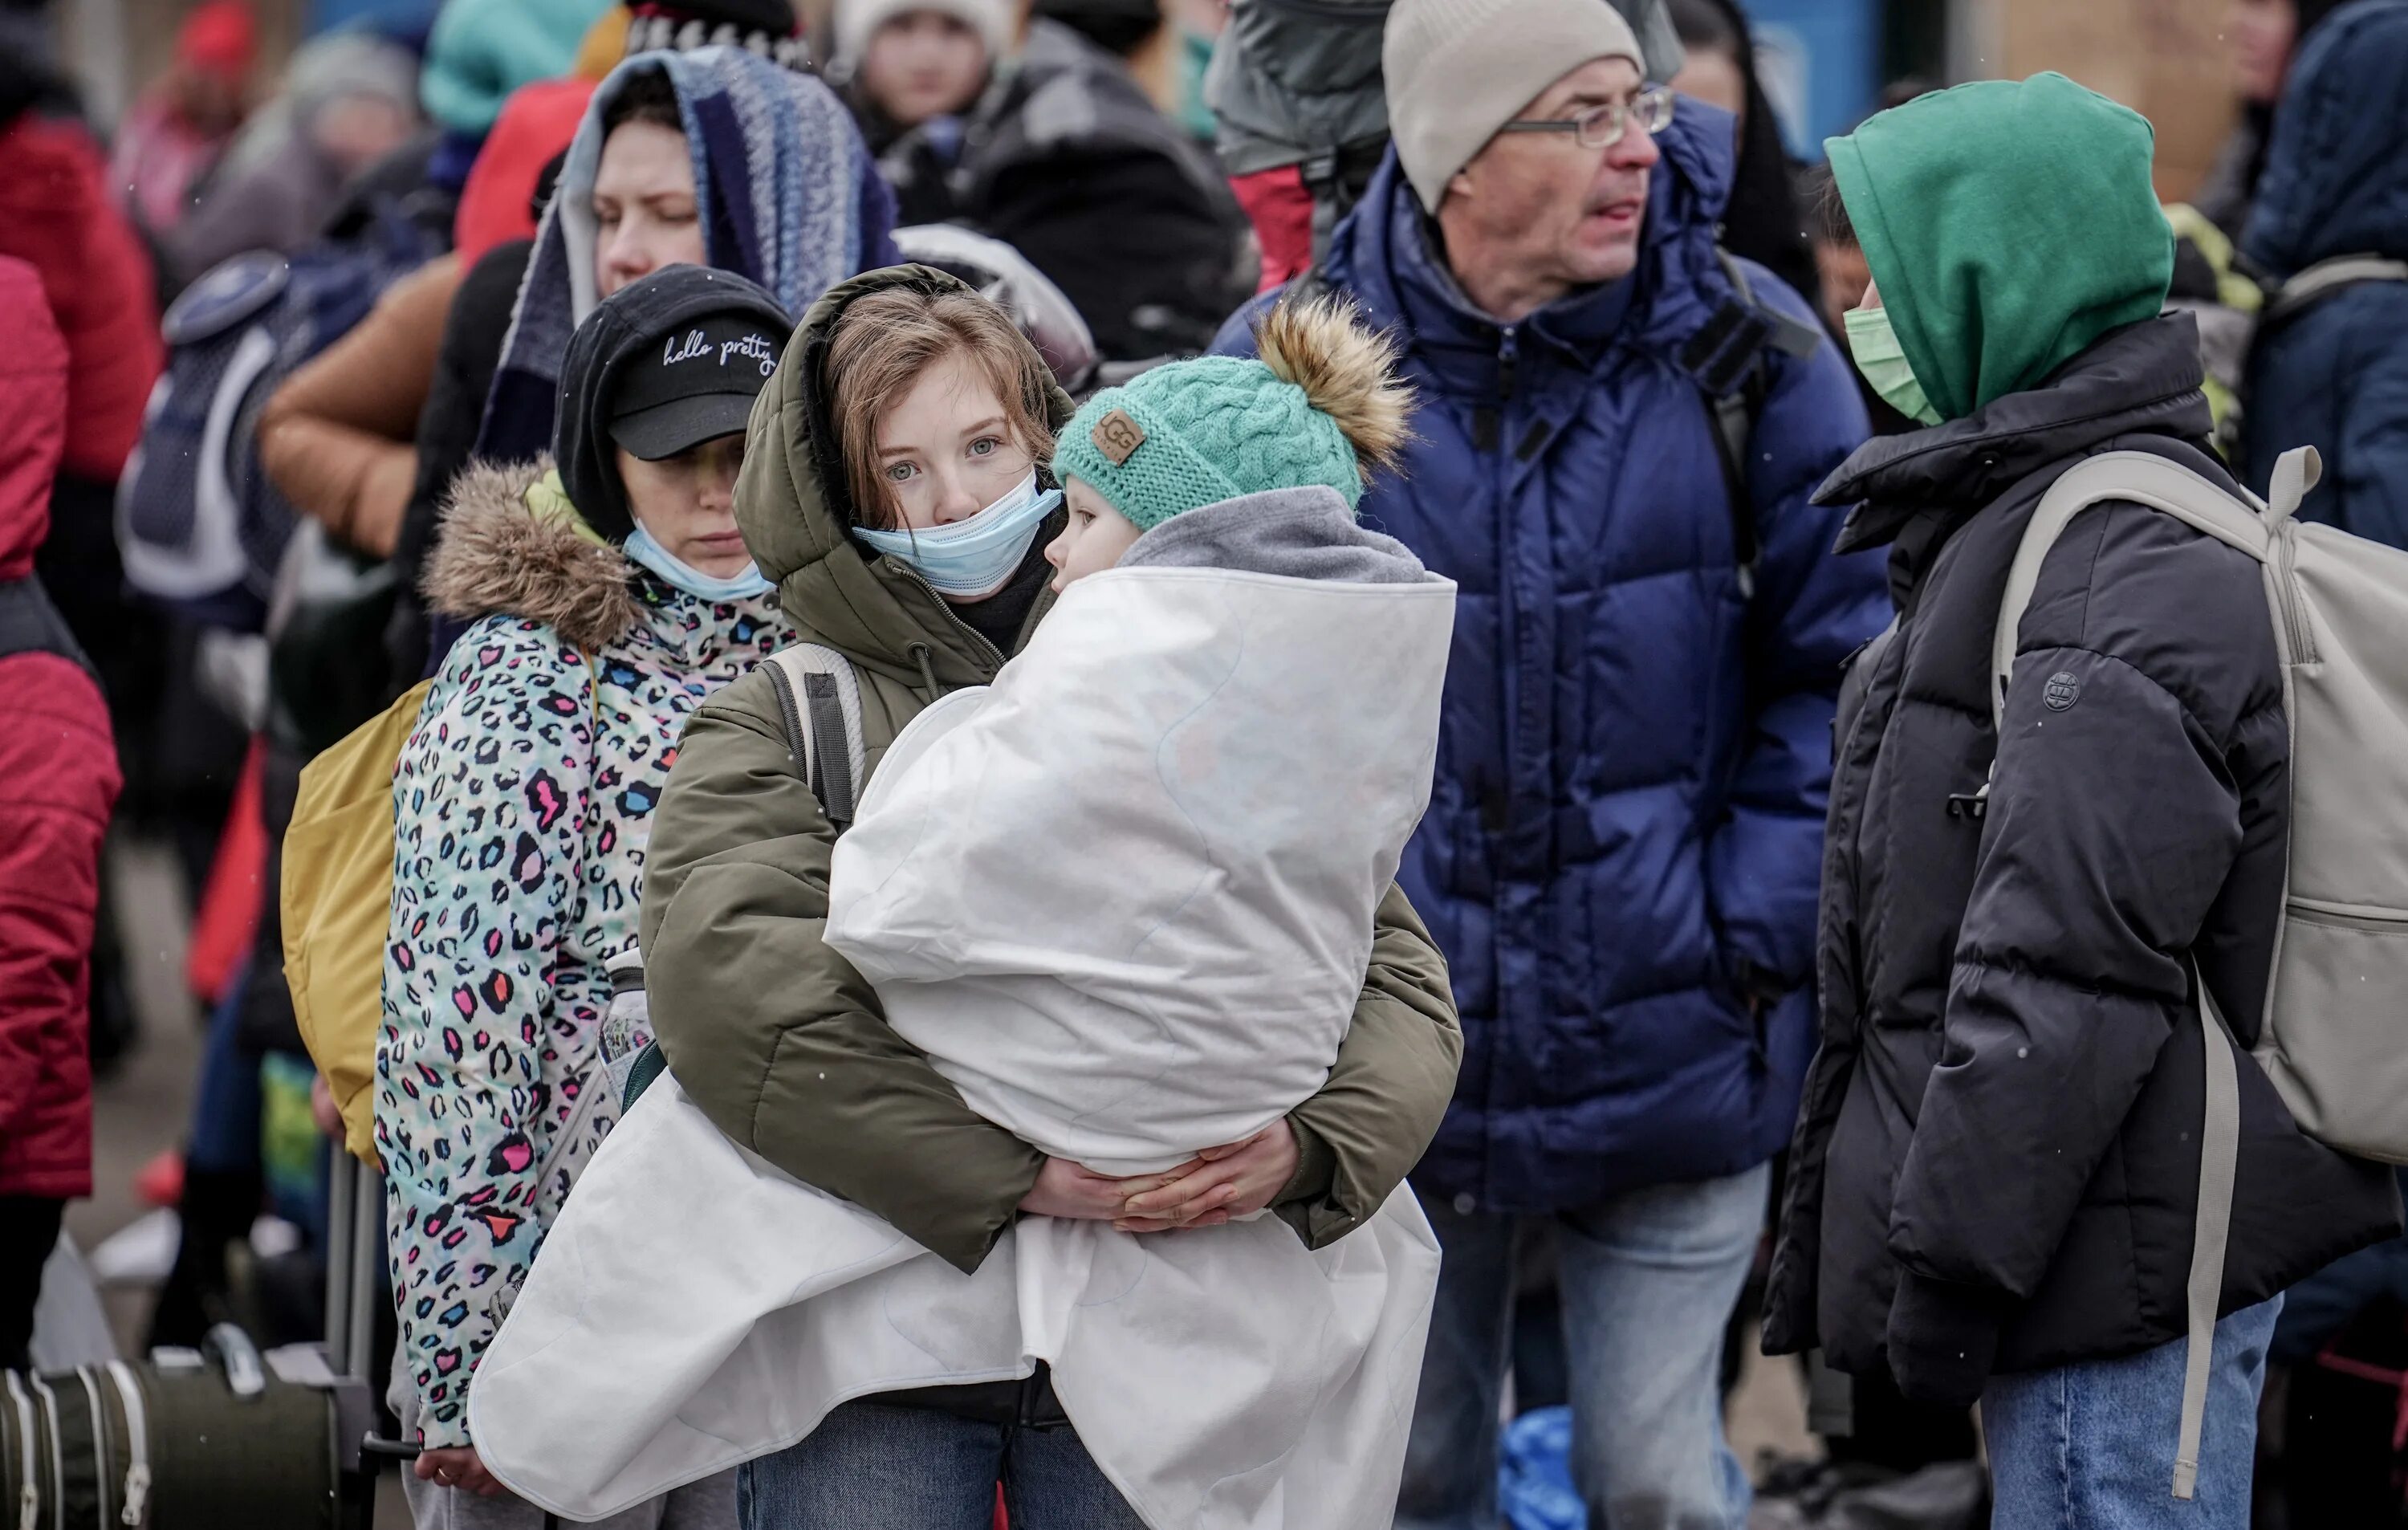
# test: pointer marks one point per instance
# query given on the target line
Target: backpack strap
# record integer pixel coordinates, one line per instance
(30, 624)
(2140, 478)
(819, 698)
(1725, 358)
(2220, 1157)
(2326, 278)
(2143, 477)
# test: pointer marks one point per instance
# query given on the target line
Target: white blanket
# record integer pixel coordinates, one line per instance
(1124, 899)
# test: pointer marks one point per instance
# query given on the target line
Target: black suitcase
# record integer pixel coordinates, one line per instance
(221, 1438)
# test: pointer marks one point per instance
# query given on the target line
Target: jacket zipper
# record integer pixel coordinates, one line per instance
(100, 1452)
(2302, 646)
(29, 1496)
(959, 625)
(48, 1401)
(137, 1445)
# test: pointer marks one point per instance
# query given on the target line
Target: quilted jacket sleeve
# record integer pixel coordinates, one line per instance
(58, 781)
(2369, 475)
(336, 437)
(490, 796)
(1813, 607)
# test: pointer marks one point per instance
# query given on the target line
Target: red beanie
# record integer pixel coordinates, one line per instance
(220, 38)
(534, 128)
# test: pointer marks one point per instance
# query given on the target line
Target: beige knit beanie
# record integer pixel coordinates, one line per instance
(858, 20)
(1457, 70)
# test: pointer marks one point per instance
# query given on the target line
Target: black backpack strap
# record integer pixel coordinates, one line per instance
(818, 700)
(1725, 357)
(29, 623)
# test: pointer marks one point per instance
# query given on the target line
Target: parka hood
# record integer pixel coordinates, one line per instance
(2336, 180)
(2008, 224)
(513, 546)
(797, 513)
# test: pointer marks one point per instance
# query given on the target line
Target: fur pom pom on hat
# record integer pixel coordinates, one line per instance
(1321, 405)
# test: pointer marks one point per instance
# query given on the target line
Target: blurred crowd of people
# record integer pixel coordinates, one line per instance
(329, 396)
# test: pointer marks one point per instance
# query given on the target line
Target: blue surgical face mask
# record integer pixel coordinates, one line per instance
(972, 559)
(640, 547)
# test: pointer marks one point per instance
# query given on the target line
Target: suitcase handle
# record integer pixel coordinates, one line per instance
(246, 1374)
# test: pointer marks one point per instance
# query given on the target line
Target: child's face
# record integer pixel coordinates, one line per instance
(1094, 540)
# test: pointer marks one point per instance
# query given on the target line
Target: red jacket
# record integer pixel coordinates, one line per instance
(56, 216)
(58, 783)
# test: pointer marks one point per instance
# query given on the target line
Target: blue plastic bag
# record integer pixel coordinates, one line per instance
(1534, 1473)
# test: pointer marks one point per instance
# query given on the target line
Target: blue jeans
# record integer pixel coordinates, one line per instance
(2091, 1447)
(1648, 1281)
(869, 1466)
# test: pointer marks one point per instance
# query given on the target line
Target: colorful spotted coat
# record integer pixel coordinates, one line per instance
(520, 833)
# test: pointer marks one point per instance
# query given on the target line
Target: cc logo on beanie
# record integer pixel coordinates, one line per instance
(1117, 436)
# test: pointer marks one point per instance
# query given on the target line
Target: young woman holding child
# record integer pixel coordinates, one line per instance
(895, 492)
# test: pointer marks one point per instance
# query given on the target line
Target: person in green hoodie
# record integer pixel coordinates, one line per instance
(783, 1044)
(1995, 1177)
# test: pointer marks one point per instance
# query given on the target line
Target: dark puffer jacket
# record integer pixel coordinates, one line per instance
(1997, 1164)
(2335, 376)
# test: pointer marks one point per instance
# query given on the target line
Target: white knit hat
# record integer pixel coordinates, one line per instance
(858, 20)
(1457, 70)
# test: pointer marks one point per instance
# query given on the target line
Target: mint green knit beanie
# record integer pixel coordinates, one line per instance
(1194, 433)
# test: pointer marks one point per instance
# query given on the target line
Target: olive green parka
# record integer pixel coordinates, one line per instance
(775, 1036)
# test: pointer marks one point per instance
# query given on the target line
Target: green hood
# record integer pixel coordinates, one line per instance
(2008, 225)
(796, 513)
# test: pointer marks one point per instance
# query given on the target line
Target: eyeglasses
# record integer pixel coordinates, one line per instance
(1601, 127)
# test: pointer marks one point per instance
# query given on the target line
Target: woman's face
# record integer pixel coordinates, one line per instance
(946, 449)
(688, 503)
(1093, 538)
(2261, 33)
(644, 209)
(923, 64)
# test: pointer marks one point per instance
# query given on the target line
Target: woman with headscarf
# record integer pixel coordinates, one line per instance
(771, 182)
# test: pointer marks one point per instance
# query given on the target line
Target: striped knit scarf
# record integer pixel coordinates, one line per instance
(785, 191)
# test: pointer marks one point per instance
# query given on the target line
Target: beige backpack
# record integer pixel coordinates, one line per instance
(2336, 1038)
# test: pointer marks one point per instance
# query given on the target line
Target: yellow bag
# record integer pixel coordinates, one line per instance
(337, 902)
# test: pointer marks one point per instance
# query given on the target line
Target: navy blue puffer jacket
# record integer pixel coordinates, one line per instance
(1629, 809)
(2336, 377)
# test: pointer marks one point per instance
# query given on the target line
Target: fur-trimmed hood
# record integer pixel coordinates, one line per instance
(500, 556)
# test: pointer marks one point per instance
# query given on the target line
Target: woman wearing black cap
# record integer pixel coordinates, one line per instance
(608, 595)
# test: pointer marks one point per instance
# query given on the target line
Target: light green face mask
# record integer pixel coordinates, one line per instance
(1874, 345)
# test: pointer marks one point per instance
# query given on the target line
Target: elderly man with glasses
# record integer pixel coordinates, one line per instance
(1619, 431)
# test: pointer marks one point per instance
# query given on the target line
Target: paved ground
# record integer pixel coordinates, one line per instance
(142, 1111)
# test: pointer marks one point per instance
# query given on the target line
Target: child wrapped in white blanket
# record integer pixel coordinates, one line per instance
(1124, 900)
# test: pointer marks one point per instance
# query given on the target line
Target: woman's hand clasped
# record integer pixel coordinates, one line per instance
(1234, 1181)
(1220, 1183)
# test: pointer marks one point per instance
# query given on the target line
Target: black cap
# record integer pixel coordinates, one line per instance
(697, 384)
(620, 388)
